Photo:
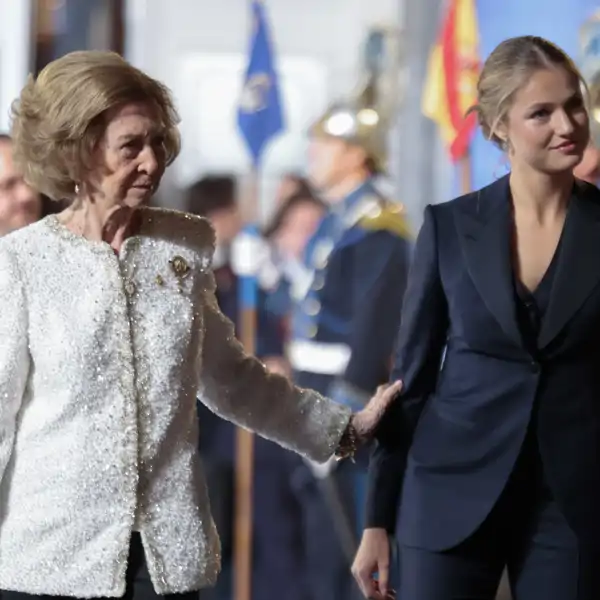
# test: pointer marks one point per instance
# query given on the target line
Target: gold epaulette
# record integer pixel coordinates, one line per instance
(390, 218)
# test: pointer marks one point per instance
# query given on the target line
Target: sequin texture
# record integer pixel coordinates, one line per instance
(101, 359)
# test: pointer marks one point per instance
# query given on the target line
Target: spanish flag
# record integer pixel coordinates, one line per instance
(451, 84)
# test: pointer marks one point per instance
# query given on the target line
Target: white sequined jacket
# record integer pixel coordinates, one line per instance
(101, 360)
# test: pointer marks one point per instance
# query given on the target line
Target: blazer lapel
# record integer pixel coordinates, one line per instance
(485, 228)
(578, 269)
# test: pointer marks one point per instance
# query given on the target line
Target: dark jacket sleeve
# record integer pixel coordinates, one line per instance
(270, 333)
(379, 271)
(419, 348)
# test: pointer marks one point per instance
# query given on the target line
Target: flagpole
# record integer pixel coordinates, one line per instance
(450, 86)
(244, 472)
(259, 119)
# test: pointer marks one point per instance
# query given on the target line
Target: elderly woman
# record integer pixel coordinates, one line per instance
(109, 330)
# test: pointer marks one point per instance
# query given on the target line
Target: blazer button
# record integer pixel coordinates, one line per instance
(535, 366)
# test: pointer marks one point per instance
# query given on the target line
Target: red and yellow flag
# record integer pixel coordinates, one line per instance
(451, 84)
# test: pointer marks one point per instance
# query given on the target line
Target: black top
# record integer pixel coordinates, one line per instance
(532, 306)
(528, 479)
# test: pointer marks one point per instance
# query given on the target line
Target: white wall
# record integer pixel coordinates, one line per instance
(327, 34)
(15, 52)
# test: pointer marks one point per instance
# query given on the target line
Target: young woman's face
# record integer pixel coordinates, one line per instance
(547, 126)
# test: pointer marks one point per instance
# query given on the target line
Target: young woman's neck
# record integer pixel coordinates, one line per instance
(542, 196)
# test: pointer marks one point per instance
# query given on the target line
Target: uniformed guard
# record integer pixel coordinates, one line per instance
(347, 312)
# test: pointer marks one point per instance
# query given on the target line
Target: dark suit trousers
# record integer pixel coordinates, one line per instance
(527, 533)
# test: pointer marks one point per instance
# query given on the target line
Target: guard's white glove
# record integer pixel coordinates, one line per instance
(322, 470)
(248, 254)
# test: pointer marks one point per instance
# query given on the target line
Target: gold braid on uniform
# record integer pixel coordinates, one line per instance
(390, 218)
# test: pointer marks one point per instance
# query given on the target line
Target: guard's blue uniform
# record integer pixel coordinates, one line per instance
(343, 329)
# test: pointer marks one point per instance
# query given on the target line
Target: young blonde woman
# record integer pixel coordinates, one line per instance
(493, 460)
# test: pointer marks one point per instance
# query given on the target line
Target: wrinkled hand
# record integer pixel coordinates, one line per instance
(373, 558)
(365, 421)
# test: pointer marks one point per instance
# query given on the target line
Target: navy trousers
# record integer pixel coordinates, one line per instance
(526, 533)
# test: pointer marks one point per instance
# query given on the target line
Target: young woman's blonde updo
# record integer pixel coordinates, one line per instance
(507, 69)
(59, 118)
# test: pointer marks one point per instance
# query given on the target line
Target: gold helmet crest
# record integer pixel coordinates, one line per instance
(364, 119)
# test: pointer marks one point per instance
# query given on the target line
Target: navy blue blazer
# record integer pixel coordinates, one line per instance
(449, 443)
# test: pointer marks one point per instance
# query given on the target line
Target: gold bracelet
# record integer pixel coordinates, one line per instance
(348, 445)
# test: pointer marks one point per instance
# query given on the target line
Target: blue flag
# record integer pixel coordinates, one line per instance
(259, 113)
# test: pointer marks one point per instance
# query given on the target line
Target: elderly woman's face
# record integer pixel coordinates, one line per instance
(131, 157)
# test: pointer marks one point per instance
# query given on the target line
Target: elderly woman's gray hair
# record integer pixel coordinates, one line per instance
(60, 117)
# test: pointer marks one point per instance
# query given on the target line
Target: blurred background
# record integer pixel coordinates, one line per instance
(200, 49)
